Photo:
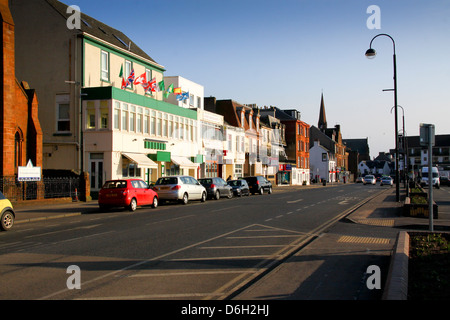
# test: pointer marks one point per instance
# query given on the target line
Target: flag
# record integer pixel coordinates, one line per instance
(121, 71)
(146, 86)
(177, 90)
(153, 85)
(161, 86)
(183, 96)
(142, 79)
(168, 91)
(124, 84)
(130, 78)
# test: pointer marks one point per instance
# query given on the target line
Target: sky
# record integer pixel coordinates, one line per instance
(287, 53)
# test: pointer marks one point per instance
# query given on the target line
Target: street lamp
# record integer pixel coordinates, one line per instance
(371, 53)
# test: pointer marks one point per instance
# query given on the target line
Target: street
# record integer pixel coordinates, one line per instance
(197, 251)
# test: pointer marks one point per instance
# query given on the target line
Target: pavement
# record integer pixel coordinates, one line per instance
(350, 260)
(334, 266)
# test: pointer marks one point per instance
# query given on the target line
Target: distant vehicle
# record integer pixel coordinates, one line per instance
(435, 177)
(445, 181)
(369, 179)
(7, 213)
(386, 180)
(179, 188)
(216, 188)
(359, 180)
(240, 187)
(258, 184)
(128, 193)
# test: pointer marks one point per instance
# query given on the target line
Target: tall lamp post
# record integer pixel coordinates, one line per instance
(371, 53)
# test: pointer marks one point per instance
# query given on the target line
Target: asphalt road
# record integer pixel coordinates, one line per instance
(196, 251)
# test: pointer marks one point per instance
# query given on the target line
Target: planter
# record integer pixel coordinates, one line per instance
(419, 210)
(419, 267)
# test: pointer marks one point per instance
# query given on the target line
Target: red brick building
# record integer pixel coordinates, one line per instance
(20, 131)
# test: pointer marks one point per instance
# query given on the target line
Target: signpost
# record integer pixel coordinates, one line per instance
(427, 139)
(29, 173)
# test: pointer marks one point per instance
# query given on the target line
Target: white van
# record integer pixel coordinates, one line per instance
(435, 176)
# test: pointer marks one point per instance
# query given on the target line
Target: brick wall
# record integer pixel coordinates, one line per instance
(18, 106)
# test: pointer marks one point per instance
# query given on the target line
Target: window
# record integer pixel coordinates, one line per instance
(139, 121)
(104, 114)
(125, 117)
(153, 123)
(199, 102)
(104, 65)
(146, 121)
(128, 68)
(158, 124)
(90, 119)
(164, 125)
(148, 74)
(116, 114)
(170, 128)
(62, 113)
(132, 118)
(191, 100)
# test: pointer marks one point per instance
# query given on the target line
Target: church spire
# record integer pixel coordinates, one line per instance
(322, 125)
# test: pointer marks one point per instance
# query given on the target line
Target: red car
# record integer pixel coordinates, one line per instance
(128, 193)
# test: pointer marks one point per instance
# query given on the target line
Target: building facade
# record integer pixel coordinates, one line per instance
(20, 134)
(99, 112)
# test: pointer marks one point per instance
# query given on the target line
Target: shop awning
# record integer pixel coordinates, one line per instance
(183, 162)
(141, 159)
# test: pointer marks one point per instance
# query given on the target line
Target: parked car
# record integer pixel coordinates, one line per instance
(369, 179)
(7, 213)
(179, 188)
(240, 187)
(445, 181)
(216, 188)
(258, 184)
(128, 193)
(386, 180)
(359, 180)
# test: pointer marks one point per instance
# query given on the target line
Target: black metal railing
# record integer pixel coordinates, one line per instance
(47, 188)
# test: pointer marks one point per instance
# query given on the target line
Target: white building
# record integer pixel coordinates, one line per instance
(234, 151)
(322, 163)
(194, 92)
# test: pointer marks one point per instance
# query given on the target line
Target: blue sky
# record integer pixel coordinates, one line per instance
(287, 52)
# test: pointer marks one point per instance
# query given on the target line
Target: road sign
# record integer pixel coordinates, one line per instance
(29, 173)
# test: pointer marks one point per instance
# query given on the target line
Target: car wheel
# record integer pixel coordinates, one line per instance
(185, 199)
(7, 220)
(203, 197)
(217, 195)
(270, 190)
(261, 191)
(155, 202)
(230, 194)
(133, 205)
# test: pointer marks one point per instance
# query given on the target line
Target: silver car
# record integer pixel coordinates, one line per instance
(370, 179)
(179, 188)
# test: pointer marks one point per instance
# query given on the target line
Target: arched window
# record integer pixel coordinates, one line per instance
(18, 138)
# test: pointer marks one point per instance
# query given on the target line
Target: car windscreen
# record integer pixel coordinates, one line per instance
(167, 180)
(234, 183)
(205, 181)
(115, 184)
